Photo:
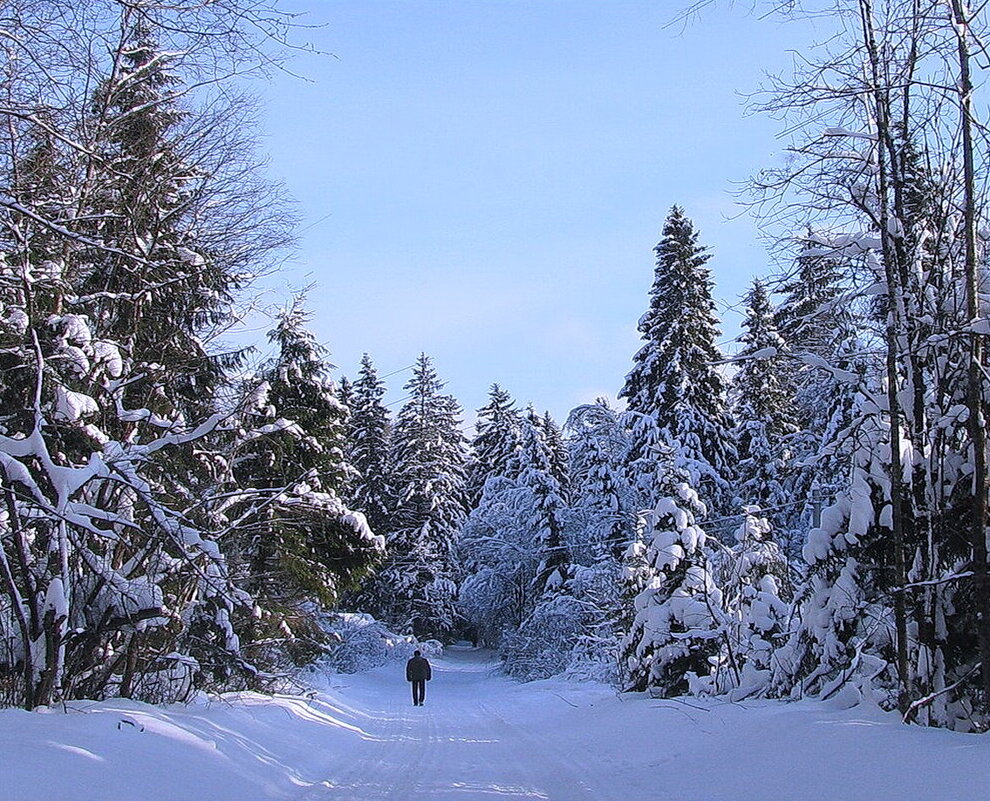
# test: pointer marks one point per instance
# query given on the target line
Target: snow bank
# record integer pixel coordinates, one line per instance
(242, 747)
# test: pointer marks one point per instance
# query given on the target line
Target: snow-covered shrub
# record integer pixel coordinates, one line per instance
(364, 643)
(753, 576)
(170, 681)
(542, 646)
(595, 655)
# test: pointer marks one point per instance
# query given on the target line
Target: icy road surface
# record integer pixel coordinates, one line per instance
(480, 737)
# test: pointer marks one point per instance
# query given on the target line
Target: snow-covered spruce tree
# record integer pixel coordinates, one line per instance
(542, 510)
(493, 591)
(600, 529)
(161, 278)
(821, 457)
(110, 558)
(345, 391)
(845, 629)
(677, 625)
(495, 442)
(557, 450)
(553, 620)
(675, 378)
(603, 515)
(296, 540)
(416, 590)
(369, 431)
(761, 408)
(650, 460)
(819, 327)
(810, 318)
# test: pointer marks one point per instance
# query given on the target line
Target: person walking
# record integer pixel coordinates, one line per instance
(418, 671)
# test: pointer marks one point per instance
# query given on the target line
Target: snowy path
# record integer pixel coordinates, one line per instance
(480, 737)
(460, 745)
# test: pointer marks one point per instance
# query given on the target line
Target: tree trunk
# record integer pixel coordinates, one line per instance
(895, 306)
(977, 417)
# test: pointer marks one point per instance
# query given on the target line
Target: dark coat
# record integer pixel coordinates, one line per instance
(418, 669)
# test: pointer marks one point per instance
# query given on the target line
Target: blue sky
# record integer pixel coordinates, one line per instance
(485, 181)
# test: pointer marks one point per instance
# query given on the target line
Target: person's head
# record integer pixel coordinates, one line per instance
(417, 653)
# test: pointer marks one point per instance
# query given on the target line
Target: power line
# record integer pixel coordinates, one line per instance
(396, 372)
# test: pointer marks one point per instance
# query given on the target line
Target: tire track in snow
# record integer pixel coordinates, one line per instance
(460, 747)
(421, 740)
(385, 765)
(571, 775)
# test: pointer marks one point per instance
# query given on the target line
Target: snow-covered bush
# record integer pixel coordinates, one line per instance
(542, 646)
(754, 579)
(364, 643)
(170, 681)
(595, 655)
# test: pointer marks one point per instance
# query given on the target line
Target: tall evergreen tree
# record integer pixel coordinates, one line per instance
(345, 394)
(675, 378)
(542, 510)
(417, 589)
(557, 450)
(369, 434)
(303, 539)
(602, 514)
(495, 442)
(817, 328)
(491, 549)
(159, 281)
(761, 407)
(811, 320)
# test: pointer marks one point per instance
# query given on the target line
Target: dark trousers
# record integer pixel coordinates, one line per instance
(419, 690)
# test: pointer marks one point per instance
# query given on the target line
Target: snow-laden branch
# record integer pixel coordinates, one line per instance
(9, 203)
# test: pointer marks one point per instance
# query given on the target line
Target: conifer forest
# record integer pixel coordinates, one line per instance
(802, 514)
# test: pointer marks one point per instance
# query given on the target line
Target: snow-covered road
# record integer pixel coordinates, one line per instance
(480, 737)
(465, 743)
